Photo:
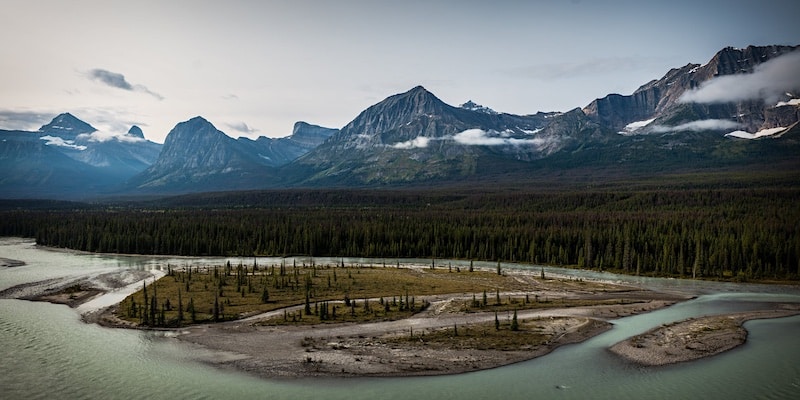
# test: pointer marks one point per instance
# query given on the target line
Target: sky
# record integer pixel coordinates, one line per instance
(254, 68)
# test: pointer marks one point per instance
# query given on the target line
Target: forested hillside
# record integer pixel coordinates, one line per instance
(731, 233)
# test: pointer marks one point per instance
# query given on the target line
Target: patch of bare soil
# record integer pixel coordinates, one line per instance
(693, 338)
(441, 340)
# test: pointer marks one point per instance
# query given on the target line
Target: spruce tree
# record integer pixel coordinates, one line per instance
(514, 323)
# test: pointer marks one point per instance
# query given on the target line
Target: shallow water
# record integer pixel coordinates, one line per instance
(48, 352)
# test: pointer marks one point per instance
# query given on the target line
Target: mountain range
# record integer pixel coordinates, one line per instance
(686, 120)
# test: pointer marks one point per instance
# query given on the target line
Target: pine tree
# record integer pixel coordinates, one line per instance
(180, 308)
(215, 311)
(514, 323)
(190, 309)
(265, 295)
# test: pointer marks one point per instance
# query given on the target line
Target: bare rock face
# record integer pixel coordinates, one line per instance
(660, 98)
(414, 136)
(66, 126)
(197, 156)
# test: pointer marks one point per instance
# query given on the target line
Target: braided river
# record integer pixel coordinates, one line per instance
(47, 351)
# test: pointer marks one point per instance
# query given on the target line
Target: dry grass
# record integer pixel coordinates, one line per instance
(239, 290)
(530, 335)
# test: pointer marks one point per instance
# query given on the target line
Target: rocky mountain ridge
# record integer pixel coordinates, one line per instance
(660, 100)
(414, 138)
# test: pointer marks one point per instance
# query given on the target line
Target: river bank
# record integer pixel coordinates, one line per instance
(441, 340)
(694, 338)
(425, 345)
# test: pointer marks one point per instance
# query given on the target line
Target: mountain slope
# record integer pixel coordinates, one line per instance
(415, 137)
(661, 99)
(281, 151)
(196, 156)
(68, 158)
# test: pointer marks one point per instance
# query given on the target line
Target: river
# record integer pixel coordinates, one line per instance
(47, 351)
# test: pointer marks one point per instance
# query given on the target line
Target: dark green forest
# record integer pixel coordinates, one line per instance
(727, 233)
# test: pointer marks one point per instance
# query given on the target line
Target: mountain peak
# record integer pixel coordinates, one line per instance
(197, 129)
(472, 106)
(136, 132)
(66, 125)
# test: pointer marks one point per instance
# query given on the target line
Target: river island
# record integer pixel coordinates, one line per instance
(453, 322)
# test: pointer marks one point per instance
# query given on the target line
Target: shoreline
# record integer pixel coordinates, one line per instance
(694, 338)
(10, 263)
(383, 349)
(388, 349)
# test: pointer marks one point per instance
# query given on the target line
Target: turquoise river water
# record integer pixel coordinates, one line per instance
(46, 351)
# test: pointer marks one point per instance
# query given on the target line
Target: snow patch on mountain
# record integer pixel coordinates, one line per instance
(759, 134)
(634, 126)
(472, 106)
(792, 102)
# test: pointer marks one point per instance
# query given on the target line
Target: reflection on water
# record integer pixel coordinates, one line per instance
(47, 351)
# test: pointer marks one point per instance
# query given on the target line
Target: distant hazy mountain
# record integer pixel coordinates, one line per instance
(198, 157)
(281, 151)
(68, 158)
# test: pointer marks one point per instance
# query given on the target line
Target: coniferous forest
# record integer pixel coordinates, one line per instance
(727, 233)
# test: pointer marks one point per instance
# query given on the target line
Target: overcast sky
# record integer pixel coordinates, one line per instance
(253, 68)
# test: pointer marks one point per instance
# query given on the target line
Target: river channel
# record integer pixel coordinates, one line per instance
(46, 351)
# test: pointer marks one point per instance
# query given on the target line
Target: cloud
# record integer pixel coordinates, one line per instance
(117, 80)
(419, 142)
(23, 120)
(698, 126)
(59, 142)
(100, 136)
(112, 79)
(242, 127)
(479, 137)
(768, 82)
(474, 137)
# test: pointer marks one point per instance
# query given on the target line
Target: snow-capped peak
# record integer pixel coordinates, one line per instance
(472, 106)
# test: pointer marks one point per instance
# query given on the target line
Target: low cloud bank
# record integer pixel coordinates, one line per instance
(59, 142)
(472, 137)
(697, 126)
(768, 82)
(479, 137)
(419, 142)
(98, 136)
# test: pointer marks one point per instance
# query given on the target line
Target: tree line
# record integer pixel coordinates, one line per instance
(735, 234)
